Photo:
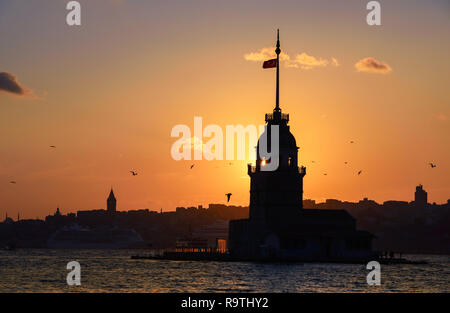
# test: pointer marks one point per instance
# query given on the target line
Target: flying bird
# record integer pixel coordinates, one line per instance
(351, 141)
(52, 146)
(345, 162)
(133, 173)
(325, 174)
(228, 196)
(313, 161)
(359, 173)
(432, 165)
(192, 166)
(12, 182)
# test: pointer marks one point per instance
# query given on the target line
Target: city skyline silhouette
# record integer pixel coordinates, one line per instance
(91, 120)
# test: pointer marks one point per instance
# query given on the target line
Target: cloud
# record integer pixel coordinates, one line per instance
(301, 61)
(10, 84)
(265, 54)
(308, 62)
(372, 66)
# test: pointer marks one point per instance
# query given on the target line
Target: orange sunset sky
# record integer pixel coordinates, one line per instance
(107, 94)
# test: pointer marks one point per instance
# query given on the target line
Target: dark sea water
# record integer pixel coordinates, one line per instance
(114, 271)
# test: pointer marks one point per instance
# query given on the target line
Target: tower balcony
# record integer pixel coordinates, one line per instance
(271, 117)
(251, 169)
(302, 170)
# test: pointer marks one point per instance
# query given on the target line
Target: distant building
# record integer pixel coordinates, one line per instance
(309, 203)
(78, 237)
(111, 202)
(191, 244)
(420, 197)
(59, 219)
(8, 220)
(213, 233)
(396, 204)
(333, 203)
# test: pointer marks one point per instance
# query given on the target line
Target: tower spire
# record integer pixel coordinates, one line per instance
(277, 51)
(111, 202)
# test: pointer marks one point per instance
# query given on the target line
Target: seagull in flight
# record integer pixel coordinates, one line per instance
(359, 173)
(228, 196)
(192, 166)
(133, 173)
(432, 165)
(52, 146)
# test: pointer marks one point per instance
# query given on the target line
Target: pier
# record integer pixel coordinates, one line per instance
(219, 255)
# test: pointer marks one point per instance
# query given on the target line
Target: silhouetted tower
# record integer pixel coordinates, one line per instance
(8, 220)
(111, 202)
(420, 196)
(275, 194)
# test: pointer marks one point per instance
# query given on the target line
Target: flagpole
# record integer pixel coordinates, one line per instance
(277, 51)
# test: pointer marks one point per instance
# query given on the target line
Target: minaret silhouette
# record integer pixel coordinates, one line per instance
(111, 202)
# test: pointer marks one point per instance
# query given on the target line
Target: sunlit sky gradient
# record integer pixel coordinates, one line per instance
(108, 93)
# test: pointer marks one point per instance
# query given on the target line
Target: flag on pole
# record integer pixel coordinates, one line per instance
(270, 63)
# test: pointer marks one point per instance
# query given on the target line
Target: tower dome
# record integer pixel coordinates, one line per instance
(287, 144)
